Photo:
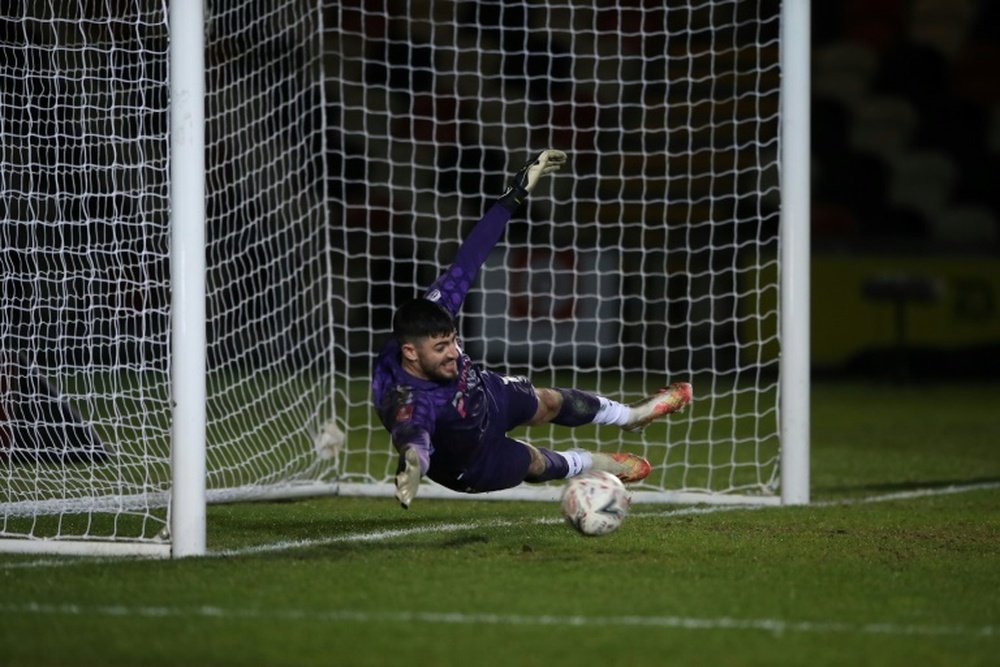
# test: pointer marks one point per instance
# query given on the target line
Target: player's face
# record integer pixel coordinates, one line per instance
(436, 358)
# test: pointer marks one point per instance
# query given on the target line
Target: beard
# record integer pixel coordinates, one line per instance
(443, 373)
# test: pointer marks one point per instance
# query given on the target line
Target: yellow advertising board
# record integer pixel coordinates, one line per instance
(865, 303)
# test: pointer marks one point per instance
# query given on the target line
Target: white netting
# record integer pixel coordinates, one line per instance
(270, 384)
(350, 146)
(83, 267)
(84, 251)
(650, 259)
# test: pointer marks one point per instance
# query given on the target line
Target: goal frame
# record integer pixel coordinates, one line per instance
(188, 497)
(187, 501)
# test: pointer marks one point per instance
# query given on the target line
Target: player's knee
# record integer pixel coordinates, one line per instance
(549, 403)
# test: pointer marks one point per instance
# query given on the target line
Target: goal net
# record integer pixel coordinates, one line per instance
(651, 258)
(349, 146)
(85, 321)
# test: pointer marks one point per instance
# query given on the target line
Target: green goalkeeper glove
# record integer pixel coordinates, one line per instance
(407, 477)
(527, 178)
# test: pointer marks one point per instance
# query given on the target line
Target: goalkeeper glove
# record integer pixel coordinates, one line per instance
(527, 178)
(407, 477)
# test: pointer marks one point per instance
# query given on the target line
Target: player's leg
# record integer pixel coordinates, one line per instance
(516, 402)
(504, 463)
(573, 407)
(547, 464)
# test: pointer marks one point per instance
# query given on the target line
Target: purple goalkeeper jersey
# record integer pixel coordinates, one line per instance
(447, 419)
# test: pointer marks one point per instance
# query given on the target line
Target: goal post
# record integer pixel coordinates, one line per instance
(795, 252)
(213, 208)
(187, 271)
(665, 250)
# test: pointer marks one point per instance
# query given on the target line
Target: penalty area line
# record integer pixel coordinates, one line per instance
(771, 625)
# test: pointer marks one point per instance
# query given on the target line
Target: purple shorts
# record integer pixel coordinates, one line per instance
(502, 462)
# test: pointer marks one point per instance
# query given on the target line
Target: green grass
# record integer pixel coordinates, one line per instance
(857, 578)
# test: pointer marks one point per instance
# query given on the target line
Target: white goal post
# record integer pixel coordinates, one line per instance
(212, 208)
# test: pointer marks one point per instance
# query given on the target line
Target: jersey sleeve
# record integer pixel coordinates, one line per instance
(450, 288)
(409, 416)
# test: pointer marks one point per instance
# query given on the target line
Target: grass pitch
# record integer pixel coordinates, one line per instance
(897, 562)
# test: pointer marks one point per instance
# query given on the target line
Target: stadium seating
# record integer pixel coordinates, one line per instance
(906, 98)
(906, 114)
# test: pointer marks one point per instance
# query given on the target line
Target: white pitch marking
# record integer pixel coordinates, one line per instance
(380, 535)
(772, 625)
(685, 511)
(376, 536)
(840, 502)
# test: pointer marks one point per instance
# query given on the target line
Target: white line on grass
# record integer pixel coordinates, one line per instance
(380, 535)
(776, 626)
(684, 511)
(840, 502)
(373, 536)
(914, 493)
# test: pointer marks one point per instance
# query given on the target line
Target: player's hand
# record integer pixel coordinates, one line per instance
(527, 178)
(407, 477)
(546, 162)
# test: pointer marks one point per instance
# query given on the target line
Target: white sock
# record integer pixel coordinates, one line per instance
(579, 461)
(612, 412)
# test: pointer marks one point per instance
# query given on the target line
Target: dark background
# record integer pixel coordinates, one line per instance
(905, 144)
(906, 169)
(906, 124)
(906, 138)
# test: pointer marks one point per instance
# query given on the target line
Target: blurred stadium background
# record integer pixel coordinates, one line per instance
(905, 208)
(906, 146)
(906, 142)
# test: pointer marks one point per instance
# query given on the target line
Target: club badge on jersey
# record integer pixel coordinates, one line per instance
(404, 399)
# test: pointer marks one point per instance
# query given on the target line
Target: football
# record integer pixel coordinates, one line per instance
(595, 503)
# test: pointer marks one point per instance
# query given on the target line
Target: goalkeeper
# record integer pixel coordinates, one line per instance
(449, 417)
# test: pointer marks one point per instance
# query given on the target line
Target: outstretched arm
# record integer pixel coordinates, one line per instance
(409, 416)
(450, 289)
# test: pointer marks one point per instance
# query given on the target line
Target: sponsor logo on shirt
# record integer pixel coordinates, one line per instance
(464, 385)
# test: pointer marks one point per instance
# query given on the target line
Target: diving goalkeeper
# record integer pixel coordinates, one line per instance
(448, 417)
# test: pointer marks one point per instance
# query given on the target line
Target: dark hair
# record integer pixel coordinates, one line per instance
(419, 319)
